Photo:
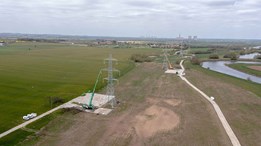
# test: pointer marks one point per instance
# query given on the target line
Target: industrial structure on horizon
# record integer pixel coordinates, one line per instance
(190, 37)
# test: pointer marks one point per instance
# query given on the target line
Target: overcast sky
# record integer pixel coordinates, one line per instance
(160, 18)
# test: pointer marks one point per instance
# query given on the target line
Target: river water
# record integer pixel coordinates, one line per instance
(248, 56)
(220, 66)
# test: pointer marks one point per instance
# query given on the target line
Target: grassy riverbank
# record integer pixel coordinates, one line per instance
(246, 68)
(239, 100)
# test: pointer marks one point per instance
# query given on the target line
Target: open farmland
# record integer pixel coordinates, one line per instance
(155, 109)
(30, 73)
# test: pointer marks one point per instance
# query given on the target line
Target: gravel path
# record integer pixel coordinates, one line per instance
(221, 116)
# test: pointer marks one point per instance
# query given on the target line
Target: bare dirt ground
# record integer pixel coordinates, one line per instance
(255, 67)
(155, 119)
(155, 109)
(241, 108)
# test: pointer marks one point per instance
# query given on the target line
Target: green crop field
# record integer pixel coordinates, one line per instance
(204, 53)
(32, 72)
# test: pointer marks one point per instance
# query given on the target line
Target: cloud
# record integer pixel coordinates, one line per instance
(163, 18)
(221, 3)
(146, 4)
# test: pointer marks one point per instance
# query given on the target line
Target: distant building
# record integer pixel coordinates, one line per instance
(2, 44)
(153, 46)
(105, 42)
(131, 42)
(180, 37)
(195, 37)
(257, 47)
(190, 37)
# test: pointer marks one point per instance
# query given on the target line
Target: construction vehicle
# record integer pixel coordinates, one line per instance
(170, 65)
(90, 105)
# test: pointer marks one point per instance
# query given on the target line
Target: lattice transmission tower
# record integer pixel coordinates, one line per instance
(165, 63)
(110, 79)
(181, 49)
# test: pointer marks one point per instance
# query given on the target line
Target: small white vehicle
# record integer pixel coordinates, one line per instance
(34, 115)
(26, 118)
(29, 116)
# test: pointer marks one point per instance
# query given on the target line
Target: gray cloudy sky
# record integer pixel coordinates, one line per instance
(161, 18)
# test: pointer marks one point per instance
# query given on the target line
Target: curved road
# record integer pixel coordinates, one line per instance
(220, 115)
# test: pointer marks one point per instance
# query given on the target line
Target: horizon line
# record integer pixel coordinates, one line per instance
(145, 37)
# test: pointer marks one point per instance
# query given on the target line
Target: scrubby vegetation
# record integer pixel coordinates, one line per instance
(232, 56)
(213, 56)
(203, 52)
(195, 61)
(140, 58)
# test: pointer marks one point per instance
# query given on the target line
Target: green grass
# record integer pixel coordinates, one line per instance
(38, 124)
(219, 51)
(14, 138)
(198, 49)
(29, 76)
(18, 137)
(245, 68)
(193, 50)
(238, 99)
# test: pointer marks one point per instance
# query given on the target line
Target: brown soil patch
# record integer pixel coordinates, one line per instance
(255, 67)
(155, 119)
(172, 102)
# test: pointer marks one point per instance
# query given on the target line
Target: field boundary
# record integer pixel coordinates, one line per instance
(222, 118)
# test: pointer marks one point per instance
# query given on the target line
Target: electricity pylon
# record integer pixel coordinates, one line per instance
(110, 79)
(181, 49)
(165, 64)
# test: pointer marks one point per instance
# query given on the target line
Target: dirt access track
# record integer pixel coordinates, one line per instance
(155, 109)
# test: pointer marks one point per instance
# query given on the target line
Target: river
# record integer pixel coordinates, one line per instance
(248, 56)
(220, 66)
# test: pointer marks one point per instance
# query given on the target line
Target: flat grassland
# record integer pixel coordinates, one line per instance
(149, 101)
(32, 72)
(155, 109)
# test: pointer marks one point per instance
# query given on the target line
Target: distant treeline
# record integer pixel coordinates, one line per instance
(231, 47)
(41, 40)
(203, 52)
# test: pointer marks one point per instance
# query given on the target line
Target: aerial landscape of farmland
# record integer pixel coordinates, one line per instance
(37, 76)
(118, 73)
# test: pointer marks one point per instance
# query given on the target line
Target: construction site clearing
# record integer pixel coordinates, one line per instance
(98, 101)
(175, 71)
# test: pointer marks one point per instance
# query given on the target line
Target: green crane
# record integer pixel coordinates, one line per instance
(90, 105)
